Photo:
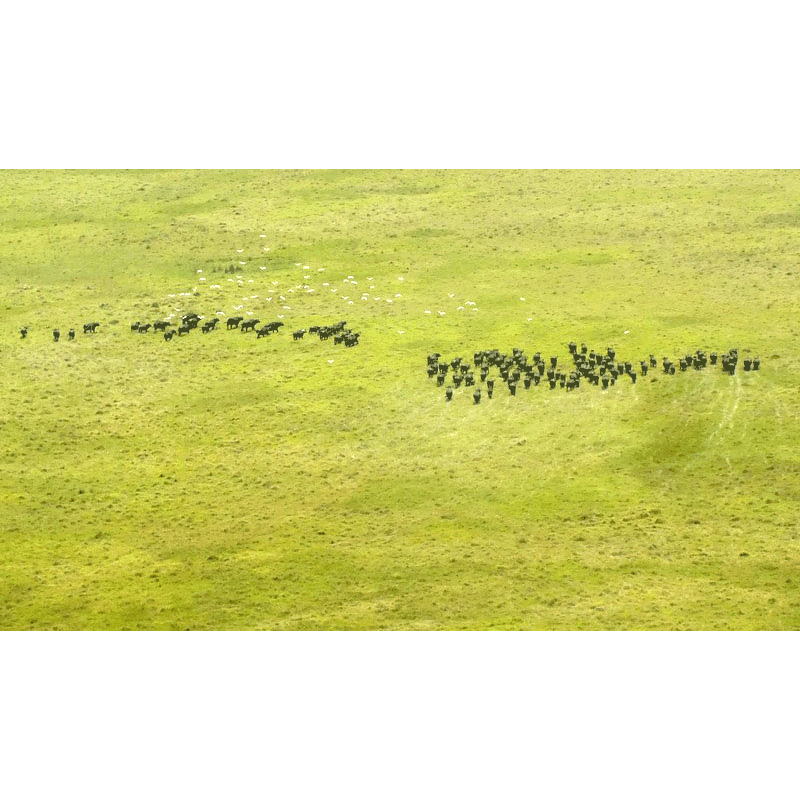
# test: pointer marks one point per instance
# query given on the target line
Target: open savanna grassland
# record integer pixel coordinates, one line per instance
(222, 482)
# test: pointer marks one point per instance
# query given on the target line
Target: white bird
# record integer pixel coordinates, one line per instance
(450, 295)
(263, 235)
(280, 316)
(202, 279)
(469, 303)
(398, 295)
(522, 298)
(330, 361)
(254, 297)
(288, 308)
(242, 263)
(370, 279)
(298, 264)
(349, 302)
(216, 286)
(321, 269)
(240, 251)
(199, 270)
(460, 308)
(262, 267)
(345, 297)
(400, 278)
(627, 331)
(266, 249)
(401, 331)
(306, 277)
(427, 312)
(326, 284)
(441, 313)
(388, 300)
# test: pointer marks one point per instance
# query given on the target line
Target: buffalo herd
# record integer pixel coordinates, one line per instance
(587, 366)
(339, 331)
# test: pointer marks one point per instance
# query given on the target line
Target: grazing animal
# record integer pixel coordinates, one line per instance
(71, 334)
(161, 325)
(233, 322)
(91, 327)
(56, 334)
(145, 328)
(298, 334)
(23, 332)
(448, 393)
(262, 332)
(135, 326)
(168, 335)
(183, 329)
(476, 395)
(249, 325)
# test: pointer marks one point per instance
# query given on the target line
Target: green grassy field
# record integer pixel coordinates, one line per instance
(224, 482)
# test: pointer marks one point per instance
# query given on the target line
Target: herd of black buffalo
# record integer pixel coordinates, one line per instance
(598, 369)
(340, 333)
